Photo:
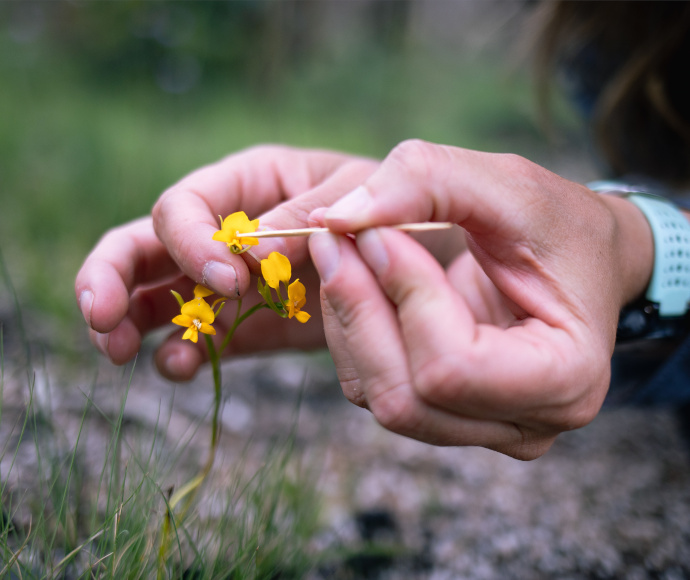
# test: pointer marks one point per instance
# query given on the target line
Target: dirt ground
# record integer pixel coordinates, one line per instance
(611, 500)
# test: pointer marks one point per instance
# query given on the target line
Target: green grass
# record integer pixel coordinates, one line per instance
(64, 517)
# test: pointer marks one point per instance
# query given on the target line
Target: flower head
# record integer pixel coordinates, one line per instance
(297, 299)
(196, 315)
(231, 226)
(276, 269)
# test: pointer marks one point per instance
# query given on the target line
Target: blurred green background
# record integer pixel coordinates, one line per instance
(105, 104)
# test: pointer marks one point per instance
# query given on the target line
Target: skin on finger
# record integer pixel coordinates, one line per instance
(373, 367)
(487, 305)
(125, 257)
(521, 374)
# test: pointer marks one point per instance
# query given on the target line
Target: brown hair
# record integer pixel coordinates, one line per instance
(639, 78)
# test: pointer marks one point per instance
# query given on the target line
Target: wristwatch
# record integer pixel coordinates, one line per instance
(663, 311)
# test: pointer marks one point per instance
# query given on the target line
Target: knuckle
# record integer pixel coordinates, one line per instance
(352, 386)
(161, 207)
(515, 164)
(438, 379)
(416, 157)
(294, 213)
(395, 408)
(352, 315)
(581, 400)
(530, 449)
(576, 416)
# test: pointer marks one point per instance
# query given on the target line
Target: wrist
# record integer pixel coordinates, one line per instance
(634, 246)
(661, 311)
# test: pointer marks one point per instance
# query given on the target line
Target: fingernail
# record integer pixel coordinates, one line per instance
(220, 277)
(352, 205)
(102, 343)
(86, 304)
(373, 250)
(325, 253)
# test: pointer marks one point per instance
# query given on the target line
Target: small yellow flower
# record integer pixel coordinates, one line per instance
(276, 269)
(297, 299)
(197, 316)
(231, 226)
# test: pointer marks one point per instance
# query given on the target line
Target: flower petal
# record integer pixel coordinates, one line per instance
(191, 334)
(297, 293)
(207, 328)
(201, 291)
(223, 236)
(183, 320)
(276, 269)
(302, 316)
(199, 308)
(297, 299)
(237, 223)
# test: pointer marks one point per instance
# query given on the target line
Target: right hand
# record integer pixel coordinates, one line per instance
(510, 344)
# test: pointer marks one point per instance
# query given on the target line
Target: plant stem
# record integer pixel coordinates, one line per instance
(188, 491)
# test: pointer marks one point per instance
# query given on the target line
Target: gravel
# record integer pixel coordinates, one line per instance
(611, 500)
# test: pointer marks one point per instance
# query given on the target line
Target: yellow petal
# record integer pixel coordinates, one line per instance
(199, 309)
(297, 299)
(248, 241)
(276, 269)
(201, 291)
(237, 223)
(183, 320)
(297, 293)
(207, 329)
(223, 236)
(191, 334)
(302, 316)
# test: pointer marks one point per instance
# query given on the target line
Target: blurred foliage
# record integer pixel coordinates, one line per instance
(105, 104)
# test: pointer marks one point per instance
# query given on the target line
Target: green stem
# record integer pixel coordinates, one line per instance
(188, 491)
(238, 320)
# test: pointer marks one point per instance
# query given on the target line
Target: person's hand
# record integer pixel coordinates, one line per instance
(123, 286)
(512, 343)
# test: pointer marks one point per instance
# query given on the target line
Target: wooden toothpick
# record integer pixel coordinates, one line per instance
(417, 227)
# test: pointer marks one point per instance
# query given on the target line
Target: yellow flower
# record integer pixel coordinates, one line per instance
(231, 226)
(197, 316)
(297, 299)
(276, 269)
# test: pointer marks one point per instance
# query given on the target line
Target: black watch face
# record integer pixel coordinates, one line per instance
(641, 320)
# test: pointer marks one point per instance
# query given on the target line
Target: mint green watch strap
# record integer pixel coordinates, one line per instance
(670, 283)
